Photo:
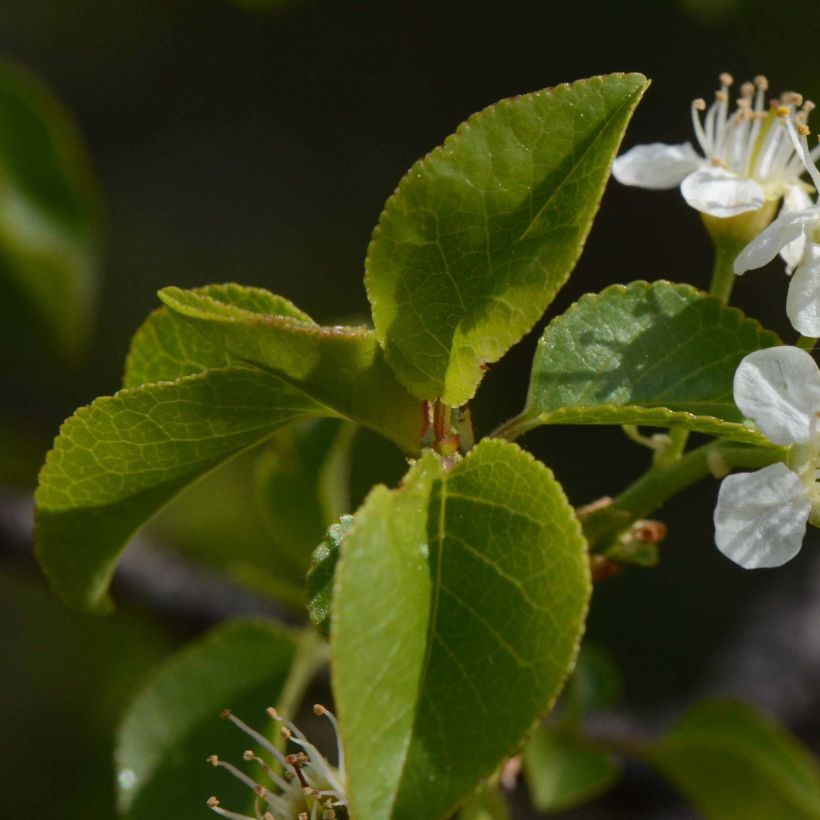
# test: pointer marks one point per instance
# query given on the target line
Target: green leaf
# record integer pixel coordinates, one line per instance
(173, 725)
(50, 209)
(563, 772)
(119, 460)
(596, 681)
(733, 763)
(322, 573)
(341, 367)
(459, 602)
(485, 804)
(302, 486)
(166, 347)
(483, 231)
(658, 354)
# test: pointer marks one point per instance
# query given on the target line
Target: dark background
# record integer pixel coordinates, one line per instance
(259, 147)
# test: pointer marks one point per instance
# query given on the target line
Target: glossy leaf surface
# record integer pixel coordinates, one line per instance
(483, 231)
(657, 354)
(458, 606)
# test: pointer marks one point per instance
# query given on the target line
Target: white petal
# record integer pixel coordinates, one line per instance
(767, 244)
(760, 518)
(795, 198)
(803, 300)
(718, 192)
(656, 166)
(779, 390)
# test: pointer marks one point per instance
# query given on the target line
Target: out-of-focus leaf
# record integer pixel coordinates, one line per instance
(340, 367)
(174, 724)
(459, 602)
(483, 231)
(50, 210)
(658, 354)
(119, 460)
(485, 804)
(562, 772)
(301, 484)
(733, 763)
(596, 682)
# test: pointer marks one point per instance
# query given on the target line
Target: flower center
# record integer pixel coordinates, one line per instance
(743, 140)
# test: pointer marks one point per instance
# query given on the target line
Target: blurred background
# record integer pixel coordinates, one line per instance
(256, 142)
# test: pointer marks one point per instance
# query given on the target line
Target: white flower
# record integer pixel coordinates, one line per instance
(792, 235)
(301, 786)
(745, 160)
(761, 517)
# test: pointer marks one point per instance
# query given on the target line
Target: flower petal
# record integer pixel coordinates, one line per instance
(803, 299)
(767, 244)
(656, 166)
(718, 192)
(795, 198)
(779, 390)
(760, 518)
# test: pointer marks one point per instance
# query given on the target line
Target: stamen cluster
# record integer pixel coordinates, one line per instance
(302, 785)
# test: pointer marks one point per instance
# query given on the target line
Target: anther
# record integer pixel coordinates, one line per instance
(248, 755)
(761, 82)
(261, 791)
(782, 111)
(721, 96)
(212, 803)
(792, 97)
(699, 104)
(318, 709)
(213, 760)
(272, 713)
(747, 90)
(809, 106)
(285, 732)
(726, 78)
(803, 130)
(225, 714)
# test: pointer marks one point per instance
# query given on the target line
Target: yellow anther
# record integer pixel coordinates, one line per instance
(782, 111)
(803, 130)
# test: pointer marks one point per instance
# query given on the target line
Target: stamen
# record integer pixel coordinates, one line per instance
(320, 710)
(747, 91)
(761, 82)
(213, 804)
(726, 78)
(259, 738)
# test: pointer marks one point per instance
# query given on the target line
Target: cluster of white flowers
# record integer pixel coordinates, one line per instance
(761, 517)
(746, 160)
(303, 786)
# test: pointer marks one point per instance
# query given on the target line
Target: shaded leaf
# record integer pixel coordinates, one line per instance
(119, 460)
(563, 772)
(733, 763)
(485, 804)
(341, 367)
(173, 725)
(458, 605)
(301, 486)
(657, 354)
(483, 231)
(50, 210)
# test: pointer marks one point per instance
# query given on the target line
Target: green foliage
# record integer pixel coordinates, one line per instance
(459, 602)
(483, 231)
(302, 486)
(164, 348)
(49, 210)
(485, 804)
(322, 572)
(655, 354)
(735, 764)
(563, 772)
(341, 367)
(174, 723)
(119, 460)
